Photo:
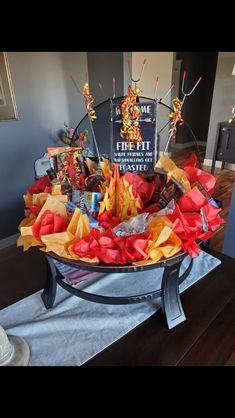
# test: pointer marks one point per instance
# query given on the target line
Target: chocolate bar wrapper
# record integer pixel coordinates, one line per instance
(202, 189)
(172, 190)
(205, 193)
(165, 190)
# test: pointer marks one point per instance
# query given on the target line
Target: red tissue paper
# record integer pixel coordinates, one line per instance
(50, 223)
(112, 249)
(41, 185)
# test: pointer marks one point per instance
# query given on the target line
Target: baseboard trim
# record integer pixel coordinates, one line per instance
(8, 241)
(190, 144)
(218, 164)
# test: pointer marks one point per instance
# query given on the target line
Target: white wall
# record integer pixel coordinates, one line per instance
(223, 97)
(158, 64)
(126, 72)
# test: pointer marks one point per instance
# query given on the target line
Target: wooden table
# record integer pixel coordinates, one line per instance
(207, 337)
(228, 244)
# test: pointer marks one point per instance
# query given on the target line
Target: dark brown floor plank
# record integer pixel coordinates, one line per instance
(153, 344)
(217, 343)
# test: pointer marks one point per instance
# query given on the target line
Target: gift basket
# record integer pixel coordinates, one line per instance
(129, 208)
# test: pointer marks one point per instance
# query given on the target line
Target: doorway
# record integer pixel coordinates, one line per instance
(197, 107)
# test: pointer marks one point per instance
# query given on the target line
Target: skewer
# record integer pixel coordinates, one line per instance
(183, 100)
(182, 88)
(167, 93)
(167, 144)
(92, 129)
(155, 93)
(71, 77)
(141, 72)
(192, 90)
(100, 85)
(95, 142)
(142, 69)
(114, 85)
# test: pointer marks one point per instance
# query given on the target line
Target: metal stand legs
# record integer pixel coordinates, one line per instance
(171, 302)
(49, 293)
(169, 292)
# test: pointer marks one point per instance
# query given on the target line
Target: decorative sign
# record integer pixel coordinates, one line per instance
(140, 157)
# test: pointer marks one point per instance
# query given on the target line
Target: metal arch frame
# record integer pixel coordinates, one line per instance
(153, 100)
(169, 291)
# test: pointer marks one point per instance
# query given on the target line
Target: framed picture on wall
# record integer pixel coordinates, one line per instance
(8, 108)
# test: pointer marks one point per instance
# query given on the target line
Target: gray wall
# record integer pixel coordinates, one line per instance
(41, 97)
(223, 97)
(102, 66)
(75, 63)
(46, 98)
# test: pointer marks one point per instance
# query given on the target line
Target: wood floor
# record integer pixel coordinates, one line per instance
(223, 189)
